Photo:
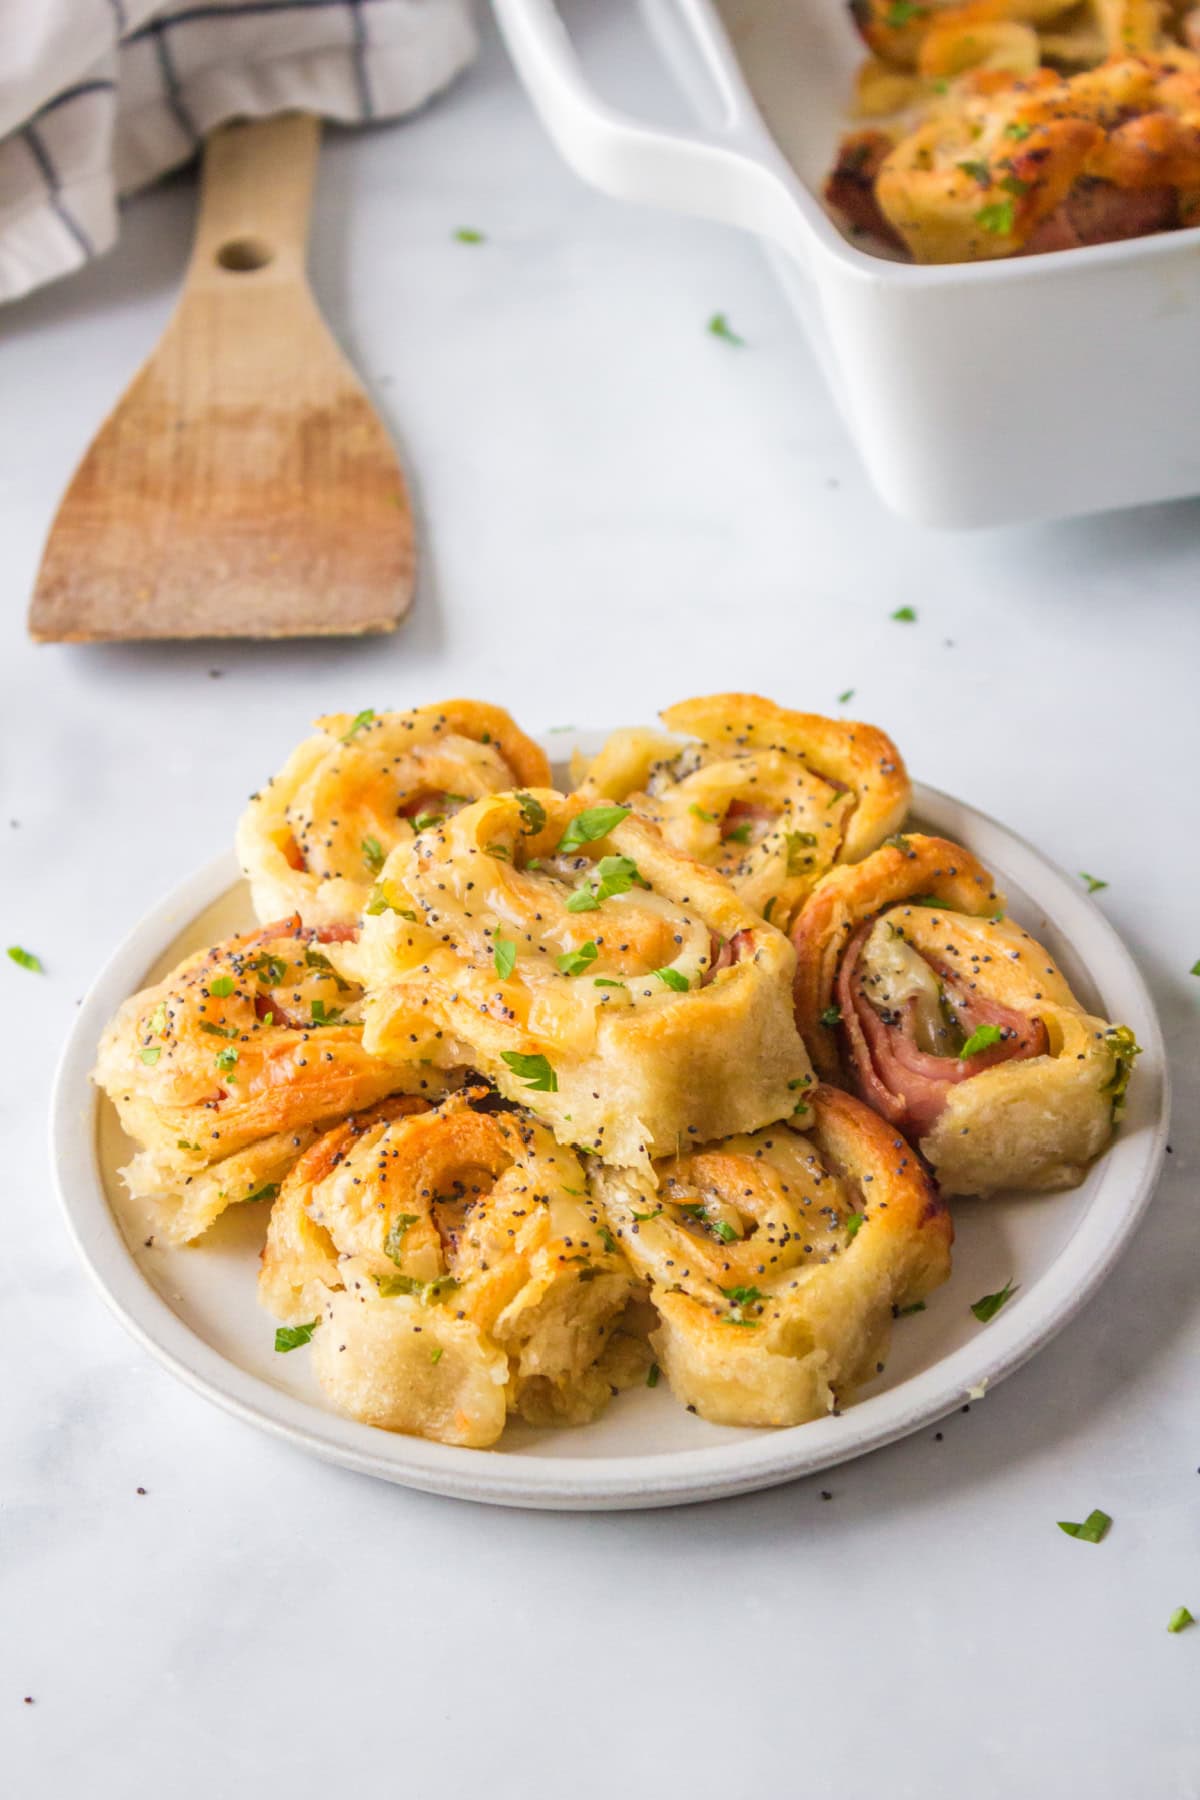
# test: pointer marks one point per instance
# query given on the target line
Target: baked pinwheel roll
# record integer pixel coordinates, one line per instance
(318, 834)
(769, 798)
(953, 1023)
(626, 995)
(457, 1272)
(778, 1260)
(223, 1070)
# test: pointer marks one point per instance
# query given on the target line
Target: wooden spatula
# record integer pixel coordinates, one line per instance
(244, 485)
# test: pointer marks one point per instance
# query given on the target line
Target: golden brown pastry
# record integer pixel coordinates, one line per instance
(315, 838)
(1008, 165)
(222, 1071)
(769, 798)
(457, 1269)
(778, 1260)
(623, 993)
(953, 1023)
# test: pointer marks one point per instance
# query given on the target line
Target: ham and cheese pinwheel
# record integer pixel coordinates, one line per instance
(452, 1270)
(625, 994)
(317, 835)
(222, 1070)
(778, 1260)
(1018, 166)
(953, 1023)
(769, 798)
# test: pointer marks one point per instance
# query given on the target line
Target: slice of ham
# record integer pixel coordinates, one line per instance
(910, 1086)
(724, 952)
(739, 811)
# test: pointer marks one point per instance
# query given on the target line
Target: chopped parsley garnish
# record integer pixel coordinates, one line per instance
(504, 955)
(831, 1016)
(226, 1058)
(25, 959)
(574, 962)
(427, 1292)
(996, 217)
(604, 981)
(271, 970)
(608, 1240)
(267, 1191)
(1091, 1531)
(905, 614)
(374, 854)
(393, 1243)
(360, 720)
(1195, 968)
(700, 812)
(901, 12)
(904, 1312)
(845, 697)
(722, 1229)
(653, 1374)
(720, 327)
(982, 1038)
(290, 1337)
(325, 1015)
(466, 234)
(185, 1143)
(214, 1030)
(615, 875)
(797, 843)
(220, 989)
(1125, 1047)
(897, 841)
(425, 820)
(435, 1356)
(672, 978)
(769, 908)
(743, 1296)
(534, 1071)
(151, 1054)
(1018, 130)
(1180, 1619)
(1012, 184)
(656, 1214)
(990, 1305)
(382, 898)
(1093, 882)
(854, 1223)
(978, 171)
(532, 812)
(595, 822)
(740, 834)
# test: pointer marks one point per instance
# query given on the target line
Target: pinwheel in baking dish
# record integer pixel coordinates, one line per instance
(452, 1270)
(953, 1023)
(625, 994)
(317, 835)
(222, 1071)
(768, 797)
(1006, 167)
(777, 1260)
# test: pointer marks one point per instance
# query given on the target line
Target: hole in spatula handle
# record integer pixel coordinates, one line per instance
(244, 254)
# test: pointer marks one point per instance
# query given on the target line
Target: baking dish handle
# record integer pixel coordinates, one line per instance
(734, 177)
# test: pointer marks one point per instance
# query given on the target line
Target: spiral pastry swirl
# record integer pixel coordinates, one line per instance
(777, 1260)
(317, 835)
(222, 1071)
(771, 799)
(457, 1268)
(954, 1023)
(623, 993)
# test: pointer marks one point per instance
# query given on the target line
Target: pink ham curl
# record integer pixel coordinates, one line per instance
(910, 1086)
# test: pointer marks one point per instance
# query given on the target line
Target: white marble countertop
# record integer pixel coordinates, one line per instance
(616, 510)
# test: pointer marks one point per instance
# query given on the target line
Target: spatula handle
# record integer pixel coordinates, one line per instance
(255, 197)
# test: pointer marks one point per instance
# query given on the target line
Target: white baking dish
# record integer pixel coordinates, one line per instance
(977, 394)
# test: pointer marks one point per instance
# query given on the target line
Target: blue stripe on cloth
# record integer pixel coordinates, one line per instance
(95, 86)
(49, 174)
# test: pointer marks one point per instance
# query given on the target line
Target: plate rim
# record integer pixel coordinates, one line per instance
(640, 1479)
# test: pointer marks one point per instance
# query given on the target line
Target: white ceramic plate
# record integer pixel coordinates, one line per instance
(195, 1308)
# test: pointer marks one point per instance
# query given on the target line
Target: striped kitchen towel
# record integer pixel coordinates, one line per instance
(99, 97)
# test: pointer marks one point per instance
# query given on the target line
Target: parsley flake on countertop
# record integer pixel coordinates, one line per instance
(534, 1071)
(1180, 1619)
(990, 1304)
(360, 719)
(504, 955)
(720, 327)
(1093, 1529)
(847, 696)
(290, 1337)
(1195, 967)
(595, 822)
(25, 959)
(466, 234)
(982, 1038)
(907, 615)
(1093, 882)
